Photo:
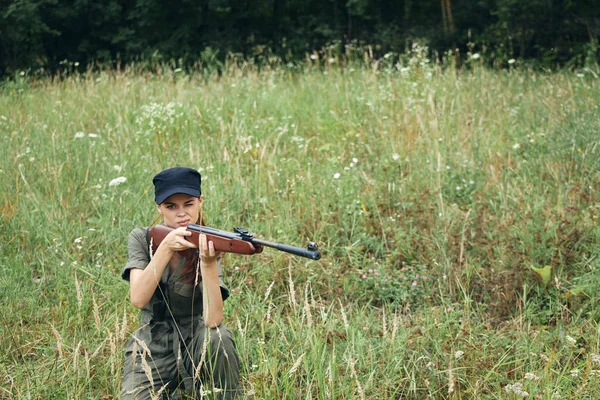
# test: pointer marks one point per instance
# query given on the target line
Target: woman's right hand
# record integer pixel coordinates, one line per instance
(176, 240)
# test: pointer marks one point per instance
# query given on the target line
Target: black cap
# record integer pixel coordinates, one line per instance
(174, 181)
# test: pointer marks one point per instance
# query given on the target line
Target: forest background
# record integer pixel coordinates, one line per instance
(48, 35)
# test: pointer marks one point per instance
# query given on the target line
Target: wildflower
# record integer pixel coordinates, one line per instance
(512, 61)
(395, 156)
(574, 373)
(475, 56)
(414, 283)
(79, 135)
(313, 57)
(458, 354)
(571, 340)
(117, 181)
(516, 146)
(78, 240)
(580, 75)
(516, 388)
(331, 60)
(92, 135)
(595, 358)
(336, 175)
(531, 377)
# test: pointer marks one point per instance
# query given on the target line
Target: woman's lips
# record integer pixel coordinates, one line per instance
(183, 223)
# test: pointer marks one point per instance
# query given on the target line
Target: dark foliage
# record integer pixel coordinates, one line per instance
(43, 33)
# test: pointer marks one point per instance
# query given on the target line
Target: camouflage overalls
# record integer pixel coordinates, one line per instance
(172, 348)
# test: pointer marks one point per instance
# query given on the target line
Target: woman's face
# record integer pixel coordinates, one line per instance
(180, 210)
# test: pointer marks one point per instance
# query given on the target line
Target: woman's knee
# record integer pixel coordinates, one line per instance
(221, 337)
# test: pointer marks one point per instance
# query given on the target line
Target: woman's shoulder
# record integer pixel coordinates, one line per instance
(138, 235)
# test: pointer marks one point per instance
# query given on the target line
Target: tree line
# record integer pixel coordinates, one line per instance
(38, 34)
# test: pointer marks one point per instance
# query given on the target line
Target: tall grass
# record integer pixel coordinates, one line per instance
(430, 192)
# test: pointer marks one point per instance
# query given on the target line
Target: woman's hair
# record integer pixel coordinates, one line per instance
(191, 264)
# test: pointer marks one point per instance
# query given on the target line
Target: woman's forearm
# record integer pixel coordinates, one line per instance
(143, 283)
(211, 293)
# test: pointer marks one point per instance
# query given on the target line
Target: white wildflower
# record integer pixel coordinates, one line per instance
(516, 146)
(78, 240)
(79, 135)
(475, 56)
(92, 135)
(395, 156)
(595, 358)
(574, 373)
(458, 354)
(117, 181)
(336, 175)
(512, 61)
(580, 75)
(571, 340)
(530, 376)
(313, 57)
(516, 388)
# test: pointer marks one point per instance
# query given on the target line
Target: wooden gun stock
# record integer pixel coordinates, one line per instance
(239, 241)
(225, 245)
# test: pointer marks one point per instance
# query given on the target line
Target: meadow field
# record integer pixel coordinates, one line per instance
(457, 211)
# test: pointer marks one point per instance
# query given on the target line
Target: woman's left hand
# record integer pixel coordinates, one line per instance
(208, 255)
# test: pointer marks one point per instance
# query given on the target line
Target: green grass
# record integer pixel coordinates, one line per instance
(430, 192)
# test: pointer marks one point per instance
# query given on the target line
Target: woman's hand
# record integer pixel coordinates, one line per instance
(208, 255)
(176, 240)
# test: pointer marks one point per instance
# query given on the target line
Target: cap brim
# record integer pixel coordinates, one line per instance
(176, 190)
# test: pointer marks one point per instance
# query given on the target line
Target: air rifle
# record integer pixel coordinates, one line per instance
(239, 241)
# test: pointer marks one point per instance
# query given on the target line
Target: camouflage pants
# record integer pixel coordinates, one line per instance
(185, 358)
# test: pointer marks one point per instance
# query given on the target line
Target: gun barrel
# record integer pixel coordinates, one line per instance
(311, 252)
(213, 231)
(298, 251)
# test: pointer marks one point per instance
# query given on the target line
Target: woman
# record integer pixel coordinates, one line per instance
(181, 342)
